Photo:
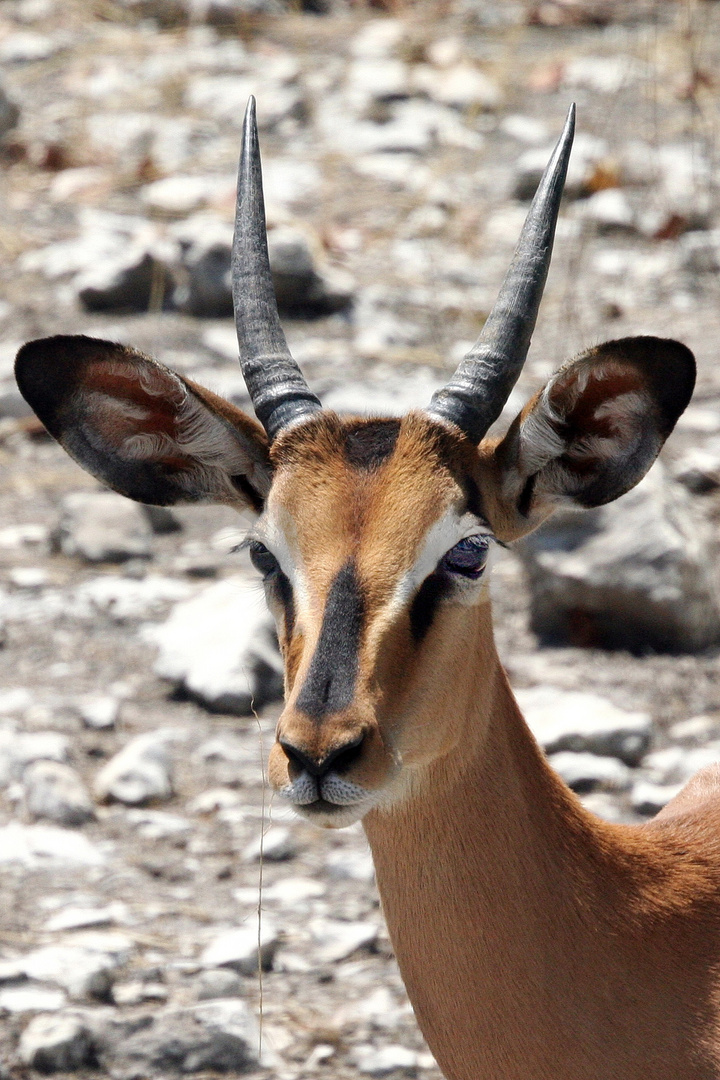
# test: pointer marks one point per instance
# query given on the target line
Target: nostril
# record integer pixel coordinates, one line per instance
(339, 759)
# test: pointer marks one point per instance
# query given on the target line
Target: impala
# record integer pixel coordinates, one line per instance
(536, 941)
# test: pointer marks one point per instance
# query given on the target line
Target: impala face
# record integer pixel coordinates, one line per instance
(372, 536)
(370, 531)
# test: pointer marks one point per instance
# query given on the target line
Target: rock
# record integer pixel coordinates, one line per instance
(37, 846)
(609, 210)
(603, 74)
(223, 98)
(238, 948)
(98, 711)
(698, 469)
(291, 891)
(163, 521)
(347, 864)
(694, 729)
(141, 772)
(277, 845)
(81, 971)
(178, 196)
(638, 574)
(461, 86)
(56, 792)
(80, 918)
(526, 129)
(649, 799)
(221, 648)
(136, 991)
(32, 578)
(103, 527)
(584, 723)
(303, 286)
(137, 280)
(26, 999)
(123, 599)
(587, 772)
(53, 1044)
(385, 1060)
(218, 983)
(677, 764)
(9, 113)
(588, 153)
(699, 252)
(336, 940)
(220, 1036)
(26, 47)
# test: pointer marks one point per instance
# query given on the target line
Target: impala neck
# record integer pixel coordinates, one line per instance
(497, 886)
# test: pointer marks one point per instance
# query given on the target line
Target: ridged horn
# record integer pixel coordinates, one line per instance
(276, 385)
(477, 392)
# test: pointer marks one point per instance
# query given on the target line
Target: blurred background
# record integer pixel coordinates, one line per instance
(401, 144)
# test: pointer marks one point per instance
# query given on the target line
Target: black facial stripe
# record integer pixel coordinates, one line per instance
(245, 487)
(330, 683)
(281, 584)
(368, 443)
(422, 610)
(526, 495)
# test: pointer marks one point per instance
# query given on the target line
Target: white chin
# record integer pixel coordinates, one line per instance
(334, 819)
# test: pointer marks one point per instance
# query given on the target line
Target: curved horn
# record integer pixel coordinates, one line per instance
(477, 392)
(276, 385)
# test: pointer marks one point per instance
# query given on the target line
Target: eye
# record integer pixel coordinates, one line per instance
(262, 559)
(468, 557)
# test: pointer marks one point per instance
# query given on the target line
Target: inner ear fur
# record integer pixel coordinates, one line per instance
(594, 430)
(141, 428)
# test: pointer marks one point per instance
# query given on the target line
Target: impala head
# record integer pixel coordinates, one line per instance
(372, 536)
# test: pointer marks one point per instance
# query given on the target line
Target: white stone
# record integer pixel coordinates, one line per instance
(677, 764)
(586, 772)
(276, 845)
(582, 722)
(382, 1061)
(178, 196)
(79, 918)
(38, 846)
(124, 599)
(218, 983)
(141, 771)
(336, 940)
(647, 798)
(603, 74)
(56, 792)
(98, 711)
(461, 86)
(103, 527)
(588, 152)
(695, 728)
(135, 992)
(347, 864)
(22, 999)
(294, 890)
(378, 38)
(221, 647)
(639, 573)
(157, 825)
(609, 209)
(208, 802)
(26, 46)
(28, 577)
(526, 129)
(82, 972)
(238, 948)
(55, 1044)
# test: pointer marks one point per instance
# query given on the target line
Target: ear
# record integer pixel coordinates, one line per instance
(593, 432)
(141, 428)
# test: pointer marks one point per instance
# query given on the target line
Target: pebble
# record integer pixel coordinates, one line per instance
(218, 983)
(276, 845)
(98, 711)
(385, 1060)
(347, 864)
(56, 1044)
(81, 972)
(587, 772)
(584, 723)
(55, 792)
(336, 940)
(140, 772)
(80, 918)
(37, 846)
(238, 948)
(648, 799)
(103, 527)
(221, 648)
(28, 999)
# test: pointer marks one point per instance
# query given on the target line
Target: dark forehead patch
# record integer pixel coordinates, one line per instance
(368, 443)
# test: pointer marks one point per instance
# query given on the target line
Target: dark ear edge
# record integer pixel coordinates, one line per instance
(595, 429)
(140, 428)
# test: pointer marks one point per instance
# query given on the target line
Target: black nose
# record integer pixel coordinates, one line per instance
(339, 759)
